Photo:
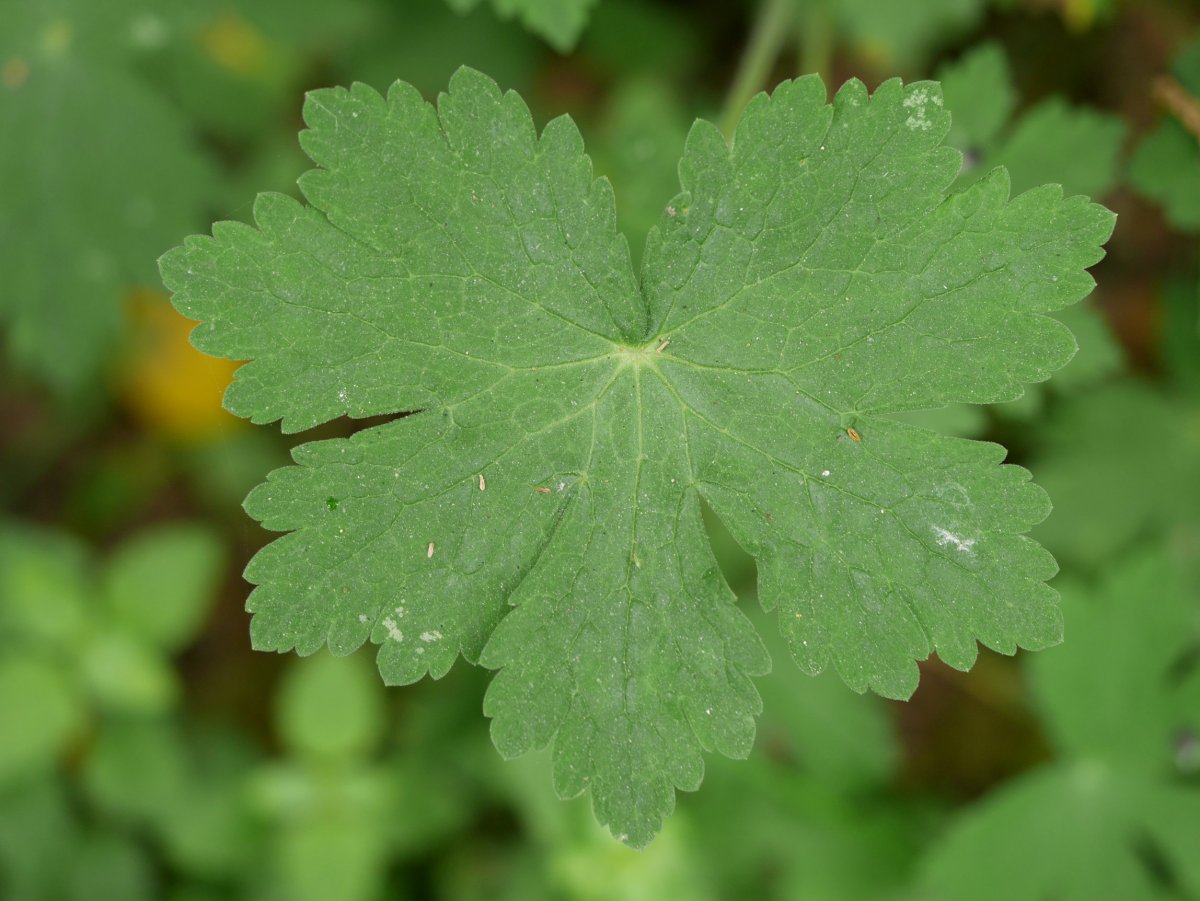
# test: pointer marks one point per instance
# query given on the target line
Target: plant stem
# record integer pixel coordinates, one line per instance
(1179, 102)
(766, 39)
(814, 42)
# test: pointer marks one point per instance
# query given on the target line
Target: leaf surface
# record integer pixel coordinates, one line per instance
(539, 509)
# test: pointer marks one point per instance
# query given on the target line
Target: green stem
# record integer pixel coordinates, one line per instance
(814, 42)
(766, 40)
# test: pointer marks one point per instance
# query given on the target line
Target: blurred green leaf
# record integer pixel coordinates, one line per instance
(819, 726)
(1099, 355)
(558, 21)
(1180, 331)
(329, 837)
(635, 40)
(1051, 143)
(1056, 143)
(1165, 166)
(330, 708)
(125, 675)
(638, 141)
(209, 829)
(43, 586)
(104, 176)
(765, 829)
(330, 856)
(897, 36)
(40, 708)
(108, 864)
(135, 770)
(576, 857)
(1119, 461)
(1088, 826)
(980, 95)
(423, 42)
(237, 67)
(591, 867)
(159, 585)
(1142, 621)
(1069, 832)
(39, 835)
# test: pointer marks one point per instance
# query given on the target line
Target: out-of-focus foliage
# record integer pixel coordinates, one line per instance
(1144, 483)
(97, 172)
(146, 752)
(1165, 167)
(558, 21)
(1052, 142)
(890, 36)
(1114, 815)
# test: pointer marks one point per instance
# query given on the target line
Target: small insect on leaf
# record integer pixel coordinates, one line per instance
(854, 434)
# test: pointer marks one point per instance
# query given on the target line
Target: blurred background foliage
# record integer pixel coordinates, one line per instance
(147, 752)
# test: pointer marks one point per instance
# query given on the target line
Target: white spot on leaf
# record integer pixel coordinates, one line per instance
(946, 537)
(394, 632)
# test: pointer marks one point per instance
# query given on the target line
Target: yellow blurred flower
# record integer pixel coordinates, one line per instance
(171, 387)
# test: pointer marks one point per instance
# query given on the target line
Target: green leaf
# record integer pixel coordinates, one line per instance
(108, 864)
(1054, 141)
(187, 789)
(96, 145)
(208, 829)
(892, 36)
(40, 708)
(1143, 621)
(539, 510)
(126, 675)
(1100, 355)
(1070, 832)
(327, 841)
(1121, 463)
(632, 39)
(1165, 166)
(978, 88)
(821, 728)
(159, 585)
(1179, 333)
(768, 829)
(638, 139)
(1087, 826)
(38, 832)
(1076, 147)
(424, 42)
(44, 578)
(136, 770)
(558, 21)
(330, 708)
